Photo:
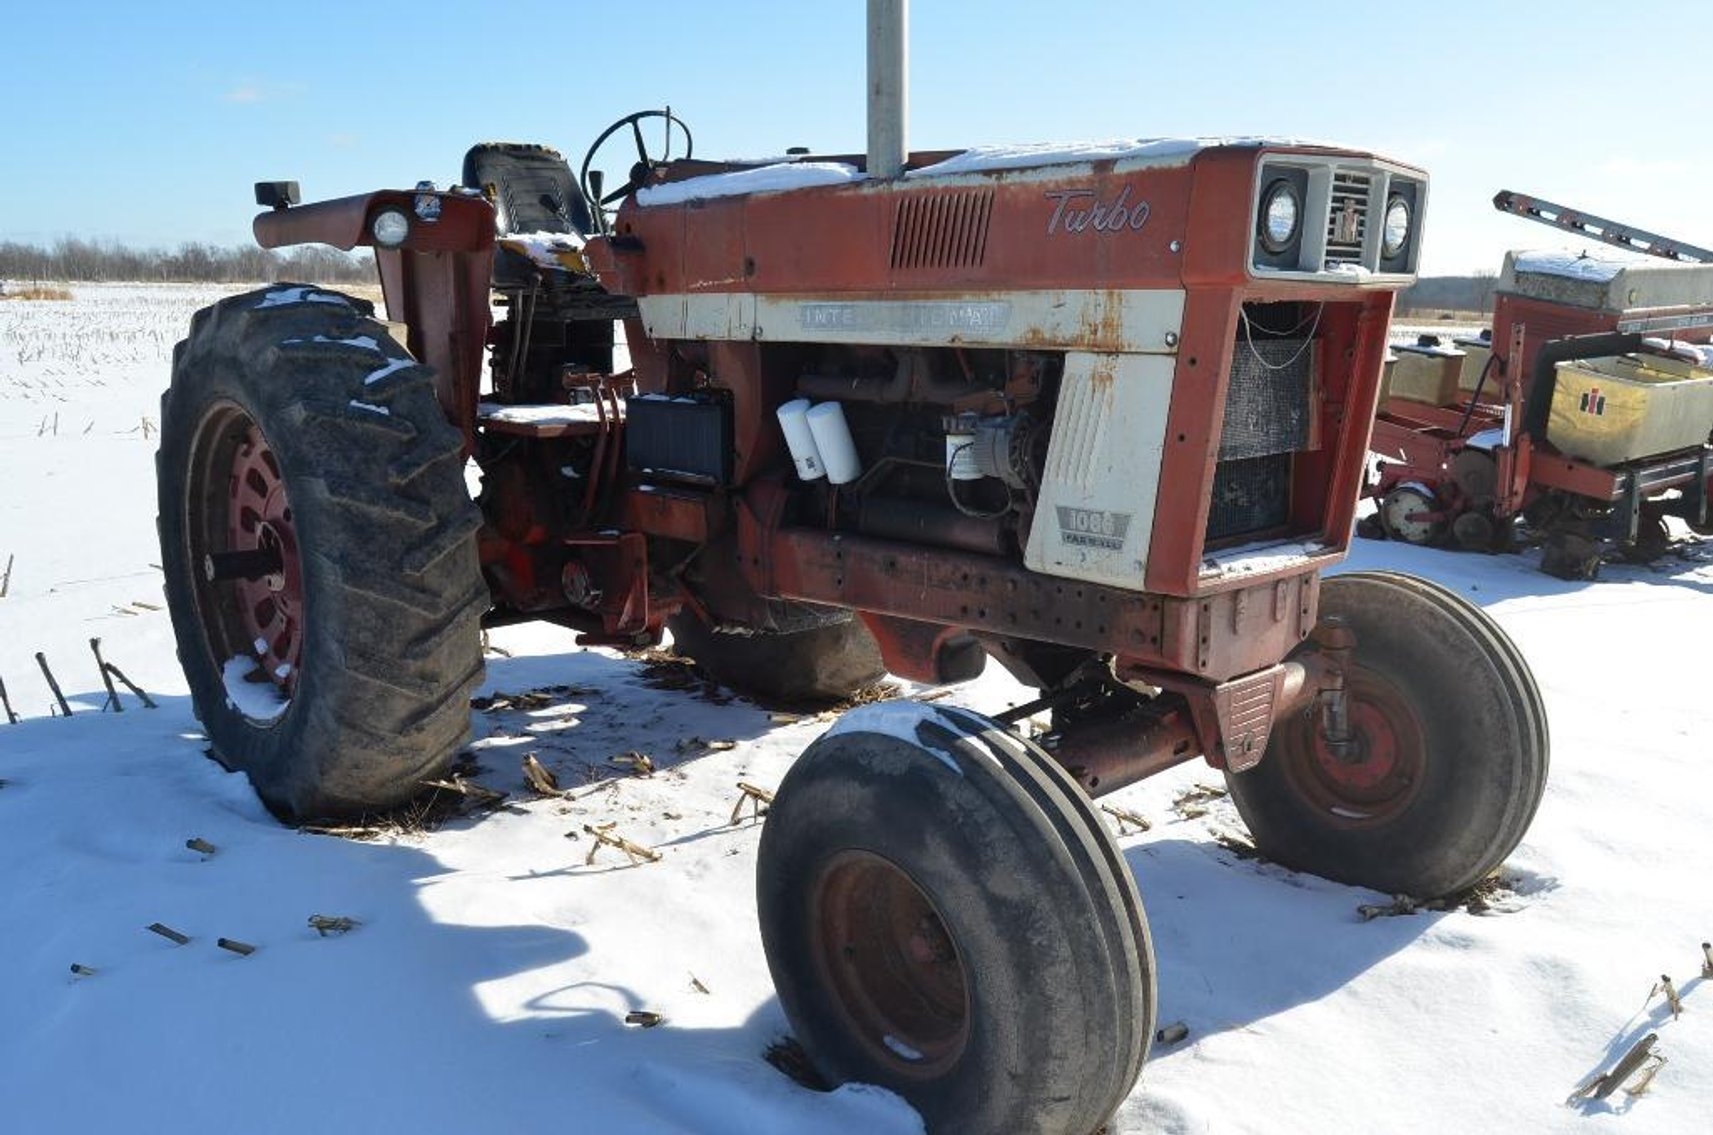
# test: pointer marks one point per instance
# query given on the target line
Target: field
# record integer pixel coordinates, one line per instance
(486, 982)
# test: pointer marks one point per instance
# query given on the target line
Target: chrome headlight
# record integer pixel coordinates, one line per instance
(389, 228)
(1281, 213)
(1396, 232)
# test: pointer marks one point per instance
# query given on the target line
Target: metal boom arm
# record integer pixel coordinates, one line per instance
(1611, 232)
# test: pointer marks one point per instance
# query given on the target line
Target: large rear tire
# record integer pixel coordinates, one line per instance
(1451, 749)
(306, 467)
(827, 659)
(945, 915)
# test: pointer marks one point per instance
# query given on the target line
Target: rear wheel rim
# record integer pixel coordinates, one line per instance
(238, 502)
(892, 966)
(1390, 755)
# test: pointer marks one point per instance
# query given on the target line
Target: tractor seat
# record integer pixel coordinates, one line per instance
(540, 216)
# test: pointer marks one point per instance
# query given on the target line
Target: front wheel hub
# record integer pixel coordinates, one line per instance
(895, 972)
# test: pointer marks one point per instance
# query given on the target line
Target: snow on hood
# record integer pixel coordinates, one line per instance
(761, 179)
(786, 175)
(1148, 151)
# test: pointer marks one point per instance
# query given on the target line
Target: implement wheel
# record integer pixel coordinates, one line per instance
(316, 536)
(1450, 749)
(945, 915)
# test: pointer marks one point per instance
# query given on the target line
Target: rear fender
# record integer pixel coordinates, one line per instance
(435, 282)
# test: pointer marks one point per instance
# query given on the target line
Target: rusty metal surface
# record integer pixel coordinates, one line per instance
(1219, 636)
(464, 224)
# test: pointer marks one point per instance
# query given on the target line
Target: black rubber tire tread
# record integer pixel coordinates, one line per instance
(826, 661)
(1123, 919)
(1486, 736)
(1520, 677)
(1059, 980)
(393, 596)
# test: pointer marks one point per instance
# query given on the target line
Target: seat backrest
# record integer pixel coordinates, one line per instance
(532, 188)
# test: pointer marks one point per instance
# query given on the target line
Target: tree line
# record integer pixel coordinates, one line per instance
(74, 260)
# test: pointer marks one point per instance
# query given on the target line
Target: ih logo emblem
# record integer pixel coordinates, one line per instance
(1093, 527)
(1593, 402)
(1347, 226)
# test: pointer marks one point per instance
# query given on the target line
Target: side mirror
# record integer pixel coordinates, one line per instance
(277, 194)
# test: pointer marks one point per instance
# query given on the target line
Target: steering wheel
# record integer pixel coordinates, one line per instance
(644, 163)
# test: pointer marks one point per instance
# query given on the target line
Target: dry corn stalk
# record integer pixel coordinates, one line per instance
(1671, 998)
(242, 949)
(200, 845)
(325, 924)
(1126, 819)
(540, 777)
(479, 795)
(168, 933)
(640, 763)
(605, 837)
(759, 800)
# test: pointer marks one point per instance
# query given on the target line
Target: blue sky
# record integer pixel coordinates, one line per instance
(147, 123)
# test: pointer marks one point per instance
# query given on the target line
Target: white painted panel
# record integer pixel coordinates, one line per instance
(1105, 320)
(1095, 514)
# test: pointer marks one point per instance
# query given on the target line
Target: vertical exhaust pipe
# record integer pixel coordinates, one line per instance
(888, 86)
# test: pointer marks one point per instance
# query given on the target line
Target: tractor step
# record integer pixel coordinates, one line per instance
(544, 420)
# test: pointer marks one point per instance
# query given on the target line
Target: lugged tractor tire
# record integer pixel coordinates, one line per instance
(296, 430)
(944, 915)
(826, 659)
(1452, 743)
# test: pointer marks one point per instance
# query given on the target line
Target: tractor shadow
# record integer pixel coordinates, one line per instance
(459, 1002)
(586, 715)
(1239, 940)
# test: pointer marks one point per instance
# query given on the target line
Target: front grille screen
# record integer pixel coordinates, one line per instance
(1267, 402)
(1250, 494)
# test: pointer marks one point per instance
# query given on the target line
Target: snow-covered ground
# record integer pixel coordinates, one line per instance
(486, 986)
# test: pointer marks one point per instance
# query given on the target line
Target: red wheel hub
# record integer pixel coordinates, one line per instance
(259, 518)
(891, 966)
(1380, 778)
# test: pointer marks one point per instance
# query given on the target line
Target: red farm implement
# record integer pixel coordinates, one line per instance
(1585, 411)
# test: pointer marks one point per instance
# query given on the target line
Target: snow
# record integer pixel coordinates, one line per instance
(762, 179)
(258, 700)
(546, 250)
(391, 366)
(1134, 153)
(1599, 268)
(281, 297)
(553, 414)
(1247, 559)
(486, 985)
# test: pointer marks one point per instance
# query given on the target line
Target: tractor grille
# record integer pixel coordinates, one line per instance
(1347, 224)
(1250, 494)
(1267, 407)
(948, 230)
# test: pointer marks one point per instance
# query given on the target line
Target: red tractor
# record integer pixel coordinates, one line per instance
(1100, 415)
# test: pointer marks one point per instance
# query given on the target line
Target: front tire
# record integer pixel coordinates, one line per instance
(1452, 749)
(317, 541)
(944, 915)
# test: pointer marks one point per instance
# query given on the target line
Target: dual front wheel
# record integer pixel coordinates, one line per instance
(945, 915)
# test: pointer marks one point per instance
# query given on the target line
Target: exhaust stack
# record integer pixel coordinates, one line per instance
(888, 86)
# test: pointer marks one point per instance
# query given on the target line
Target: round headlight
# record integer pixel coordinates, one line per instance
(1281, 209)
(1397, 230)
(389, 228)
